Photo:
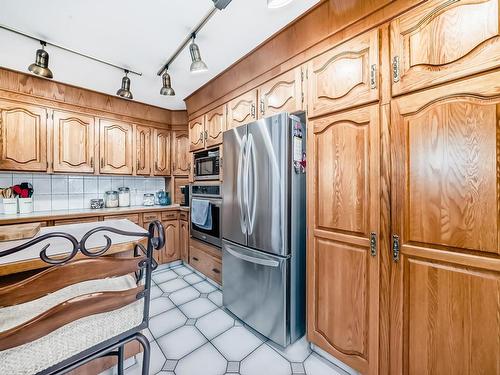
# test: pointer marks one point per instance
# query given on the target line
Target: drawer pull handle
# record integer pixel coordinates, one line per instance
(196, 259)
(215, 270)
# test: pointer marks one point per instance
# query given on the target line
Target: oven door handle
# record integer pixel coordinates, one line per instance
(240, 181)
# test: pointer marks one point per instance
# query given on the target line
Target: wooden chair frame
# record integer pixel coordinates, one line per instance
(142, 264)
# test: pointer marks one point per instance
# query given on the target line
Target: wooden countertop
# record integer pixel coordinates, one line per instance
(85, 212)
(29, 259)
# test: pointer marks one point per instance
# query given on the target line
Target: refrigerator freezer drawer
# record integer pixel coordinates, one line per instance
(255, 290)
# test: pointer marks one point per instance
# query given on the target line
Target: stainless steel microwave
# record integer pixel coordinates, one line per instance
(206, 165)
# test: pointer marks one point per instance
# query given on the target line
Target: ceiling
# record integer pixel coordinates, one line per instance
(140, 35)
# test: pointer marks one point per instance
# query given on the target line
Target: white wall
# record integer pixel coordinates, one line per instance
(62, 192)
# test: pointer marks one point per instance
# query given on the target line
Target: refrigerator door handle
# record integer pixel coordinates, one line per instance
(251, 160)
(260, 261)
(240, 183)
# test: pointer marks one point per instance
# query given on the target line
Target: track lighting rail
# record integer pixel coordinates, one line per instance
(186, 40)
(69, 49)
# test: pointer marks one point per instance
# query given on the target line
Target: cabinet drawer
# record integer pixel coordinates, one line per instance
(76, 220)
(134, 218)
(150, 216)
(205, 263)
(183, 215)
(169, 215)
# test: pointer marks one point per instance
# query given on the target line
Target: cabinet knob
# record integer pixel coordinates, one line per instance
(262, 110)
(102, 162)
(137, 165)
(92, 162)
(195, 259)
(215, 270)
(252, 110)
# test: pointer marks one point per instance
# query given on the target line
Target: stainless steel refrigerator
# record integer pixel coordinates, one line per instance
(264, 225)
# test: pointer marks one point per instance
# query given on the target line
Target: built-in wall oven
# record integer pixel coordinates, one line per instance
(212, 194)
(206, 165)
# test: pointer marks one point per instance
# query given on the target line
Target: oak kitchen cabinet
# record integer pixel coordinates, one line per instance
(344, 77)
(242, 110)
(143, 150)
(441, 41)
(215, 124)
(343, 267)
(74, 142)
(197, 134)
(23, 143)
(445, 227)
(161, 152)
(180, 153)
(171, 250)
(184, 237)
(282, 94)
(116, 147)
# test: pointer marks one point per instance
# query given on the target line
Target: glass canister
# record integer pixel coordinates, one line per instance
(111, 199)
(149, 199)
(124, 196)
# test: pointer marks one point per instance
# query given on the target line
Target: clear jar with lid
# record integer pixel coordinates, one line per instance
(149, 199)
(123, 196)
(111, 199)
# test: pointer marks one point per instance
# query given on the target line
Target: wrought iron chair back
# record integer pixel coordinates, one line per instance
(66, 273)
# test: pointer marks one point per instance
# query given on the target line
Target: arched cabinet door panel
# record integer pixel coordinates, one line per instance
(197, 134)
(143, 150)
(116, 142)
(172, 250)
(345, 76)
(441, 41)
(23, 131)
(180, 153)
(161, 152)
(215, 124)
(281, 94)
(445, 195)
(343, 270)
(73, 142)
(242, 110)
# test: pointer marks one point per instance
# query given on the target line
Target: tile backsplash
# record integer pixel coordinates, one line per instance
(62, 192)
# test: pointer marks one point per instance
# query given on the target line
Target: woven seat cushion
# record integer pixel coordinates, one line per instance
(72, 338)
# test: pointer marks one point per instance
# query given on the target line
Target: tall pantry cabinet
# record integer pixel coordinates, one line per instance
(441, 117)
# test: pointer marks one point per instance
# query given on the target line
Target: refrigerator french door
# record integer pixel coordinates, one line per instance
(264, 226)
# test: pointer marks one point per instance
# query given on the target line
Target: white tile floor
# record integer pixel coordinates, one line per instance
(192, 334)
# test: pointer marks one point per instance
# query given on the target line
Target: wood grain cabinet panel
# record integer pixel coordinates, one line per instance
(343, 270)
(180, 153)
(215, 124)
(143, 150)
(242, 110)
(197, 134)
(281, 94)
(184, 240)
(444, 40)
(171, 251)
(23, 130)
(116, 141)
(344, 77)
(161, 152)
(446, 282)
(73, 142)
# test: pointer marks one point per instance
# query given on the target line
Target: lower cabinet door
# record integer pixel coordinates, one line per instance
(184, 240)
(342, 266)
(171, 250)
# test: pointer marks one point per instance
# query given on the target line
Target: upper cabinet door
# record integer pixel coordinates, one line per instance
(161, 149)
(180, 153)
(281, 94)
(116, 141)
(74, 147)
(143, 150)
(345, 77)
(445, 192)
(197, 134)
(442, 41)
(23, 131)
(242, 110)
(215, 124)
